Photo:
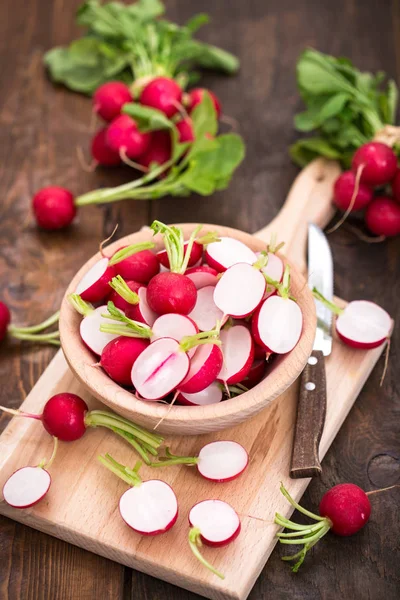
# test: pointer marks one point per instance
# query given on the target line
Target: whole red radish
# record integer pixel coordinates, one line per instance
(344, 189)
(101, 152)
(118, 358)
(195, 97)
(159, 150)
(5, 318)
(382, 216)
(185, 130)
(378, 162)
(124, 137)
(109, 99)
(53, 208)
(164, 94)
(396, 186)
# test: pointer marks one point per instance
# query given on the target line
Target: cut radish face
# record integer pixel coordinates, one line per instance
(274, 268)
(142, 312)
(205, 313)
(26, 487)
(228, 252)
(93, 287)
(364, 324)
(173, 326)
(218, 522)
(222, 461)
(202, 276)
(240, 290)
(210, 395)
(149, 508)
(238, 353)
(204, 368)
(159, 369)
(90, 332)
(277, 325)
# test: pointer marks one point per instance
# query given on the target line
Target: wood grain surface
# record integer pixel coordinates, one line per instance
(40, 129)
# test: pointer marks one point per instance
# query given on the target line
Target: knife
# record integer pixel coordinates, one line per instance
(311, 407)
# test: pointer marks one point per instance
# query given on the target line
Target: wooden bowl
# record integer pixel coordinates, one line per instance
(187, 420)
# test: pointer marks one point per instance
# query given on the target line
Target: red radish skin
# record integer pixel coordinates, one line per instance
(94, 285)
(240, 290)
(379, 163)
(210, 395)
(396, 186)
(53, 208)
(344, 189)
(195, 255)
(171, 293)
(119, 301)
(364, 325)
(259, 352)
(141, 312)
(218, 522)
(158, 152)
(90, 333)
(5, 318)
(64, 417)
(382, 216)
(26, 487)
(205, 313)
(202, 276)
(109, 99)
(277, 325)
(256, 374)
(141, 266)
(150, 508)
(185, 130)
(119, 356)
(124, 137)
(101, 152)
(347, 507)
(228, 252)
(204, 368)
(238, 354)
(196, 96)
(222, 461)
(164, 94)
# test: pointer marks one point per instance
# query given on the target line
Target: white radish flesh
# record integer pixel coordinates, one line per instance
(26, 487)
(229, 251)
(205, 313)
(149, 508)
(240, 290)
(202, 276)
(217, 521)
(278, 324)
(159, 369)
(93, 286)
(173, 326)
(90, 332)
(210, 395)
(238, 353)
(148, 315)
(222, 461)
(364, 324)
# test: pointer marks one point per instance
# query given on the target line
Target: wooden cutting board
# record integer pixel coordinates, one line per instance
(82, 504)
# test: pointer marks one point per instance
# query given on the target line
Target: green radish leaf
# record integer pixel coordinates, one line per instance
(392, 101)
(204, 118)
(304, 151)
(196, 22)
(149, 119)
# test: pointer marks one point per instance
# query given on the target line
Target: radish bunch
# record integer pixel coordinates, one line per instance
(372, 185)
(192, 323)
(33, 333)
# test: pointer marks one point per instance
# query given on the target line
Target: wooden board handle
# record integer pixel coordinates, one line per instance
(309, 199)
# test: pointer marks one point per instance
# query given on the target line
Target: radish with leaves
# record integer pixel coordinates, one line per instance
(238, 352)
(164, 94)
(195, 97)
(109, 99)
(382, 216)
(377, 161)
(33, 333)
(214, 523)
(101, 152)
(158, 152)
(148, 507)
(123, 136)
(210, 395)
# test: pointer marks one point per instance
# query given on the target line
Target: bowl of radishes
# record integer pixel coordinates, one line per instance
(187, 328)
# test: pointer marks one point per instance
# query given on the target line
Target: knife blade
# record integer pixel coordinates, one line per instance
(311, 407)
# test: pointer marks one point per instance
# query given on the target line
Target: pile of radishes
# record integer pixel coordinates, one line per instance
(373, 186)
(186, 323)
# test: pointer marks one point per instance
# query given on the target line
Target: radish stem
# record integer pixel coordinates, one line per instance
(20, 413)
(82, 307)
(131, 477)
(36, 328)
(98, 418)
(44, 338)
(130, 251)
(43, 464)
(120, 286)
(194, 543)
(298, 507)
(331, 305)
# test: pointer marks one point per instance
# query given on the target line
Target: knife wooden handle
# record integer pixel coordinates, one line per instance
(311, 411)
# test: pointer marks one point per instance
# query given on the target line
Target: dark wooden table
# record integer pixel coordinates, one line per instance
(40, 129)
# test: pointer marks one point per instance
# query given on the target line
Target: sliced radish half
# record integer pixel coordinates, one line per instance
(222, 461)
(93, 287)
(277, 325)
(228, 252)
(205, 313)
(240, 290)
(238, 353)
(90, 332)
(274, 268)
(26, 487)
(364, 324)
(202, 276)
(160, 369)
(149, 508)
(218, 522)
(204, 368)
(210, 395)
(142, 312)
(173, 326)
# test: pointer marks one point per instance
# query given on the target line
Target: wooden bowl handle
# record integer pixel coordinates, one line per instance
(309, 200)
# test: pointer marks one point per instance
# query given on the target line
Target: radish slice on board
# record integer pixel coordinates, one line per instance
(210, 395)
(160, 369)
(218, 522)
(150, 508)
(142, 312)
(238, 353)
(363, 324)
(93, 287)
(240, 290)
(90, 332)
(26, 487)
(174, 326)
(277, 324)
(228, 252)
(204, 369)
(202, 276)
(222, 461)
(205, 313)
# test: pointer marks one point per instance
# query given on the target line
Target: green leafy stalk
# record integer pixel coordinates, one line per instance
(41, 338)
(129, 251)
(120, 286)
(204, 337)
(130, 476)
(284, 287)
(330, 305)
(174, 244)
(129, 327)
(102, 418)
(36, 328)
(194, 544)
(82, 307)
(173, 459)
